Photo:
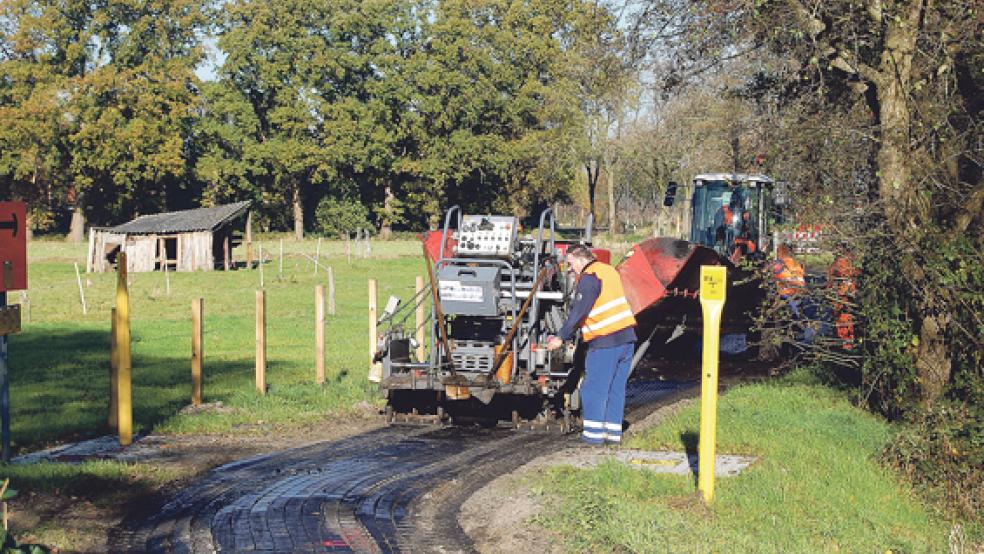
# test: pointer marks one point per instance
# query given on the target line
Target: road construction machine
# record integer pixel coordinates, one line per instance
(496, 294)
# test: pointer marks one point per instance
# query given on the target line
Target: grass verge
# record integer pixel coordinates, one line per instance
(816, 487)
(59, 363)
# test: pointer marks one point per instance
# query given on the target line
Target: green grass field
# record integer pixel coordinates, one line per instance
(59, 362)
(817, 486)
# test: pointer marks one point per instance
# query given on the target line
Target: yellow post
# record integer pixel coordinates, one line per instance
(124, 392)
(713, 284)
(113, 369)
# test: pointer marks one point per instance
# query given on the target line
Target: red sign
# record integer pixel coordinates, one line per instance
(13, 246)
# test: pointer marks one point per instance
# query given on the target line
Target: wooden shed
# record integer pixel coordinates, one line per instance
(188, 240)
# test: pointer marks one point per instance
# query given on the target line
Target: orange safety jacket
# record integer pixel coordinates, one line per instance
(841, 275)
(610, 312)
(790, 277)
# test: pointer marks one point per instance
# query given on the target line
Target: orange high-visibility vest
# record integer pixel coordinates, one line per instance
(790, 276)
(611, 311)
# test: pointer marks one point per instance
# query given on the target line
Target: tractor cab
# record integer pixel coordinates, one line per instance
(730, 213)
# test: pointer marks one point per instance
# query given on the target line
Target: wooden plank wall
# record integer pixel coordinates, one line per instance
(195, 251)
(141, 253)
(101, 243)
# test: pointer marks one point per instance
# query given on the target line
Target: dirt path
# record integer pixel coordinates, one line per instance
(81, 517)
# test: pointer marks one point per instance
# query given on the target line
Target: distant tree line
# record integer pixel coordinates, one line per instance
(404, 107)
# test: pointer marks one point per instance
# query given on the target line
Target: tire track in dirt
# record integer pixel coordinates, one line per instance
(394, 489)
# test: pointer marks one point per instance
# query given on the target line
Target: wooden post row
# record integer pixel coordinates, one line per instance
(124, 417)
(260, 342)
(197, 349)
(419, 289)
(319, 333)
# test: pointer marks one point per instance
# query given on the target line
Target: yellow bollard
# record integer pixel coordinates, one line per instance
(124, 418)
(713, 284)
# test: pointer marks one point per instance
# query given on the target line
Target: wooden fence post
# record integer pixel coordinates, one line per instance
(317, 257)
(260, 342)
(375, 370)
(331, 291)
(280, 268)
(319, 334)
(197, 349)
(249, 239)
(114, 365)
(419, 288)
(78, 278)
(260, 263)
(124, 417)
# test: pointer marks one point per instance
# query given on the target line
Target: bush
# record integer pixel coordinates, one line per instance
(341, 217)
(941, 451)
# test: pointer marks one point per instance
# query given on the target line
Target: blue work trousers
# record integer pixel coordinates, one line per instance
(603, 392)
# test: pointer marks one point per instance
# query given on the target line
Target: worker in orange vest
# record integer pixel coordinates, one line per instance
(605, 319)
(789, 274)
(791, 283)
(841, 277)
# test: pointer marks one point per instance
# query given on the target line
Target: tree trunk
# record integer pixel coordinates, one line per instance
(76, 229)
(932, 358)
(612, 218)
(386, 226)
(593, 172)
(906, 209)
(298, 214)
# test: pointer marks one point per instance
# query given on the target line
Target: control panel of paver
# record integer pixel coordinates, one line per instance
(487, 235)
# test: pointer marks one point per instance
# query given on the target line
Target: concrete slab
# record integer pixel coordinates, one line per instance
(677, 463)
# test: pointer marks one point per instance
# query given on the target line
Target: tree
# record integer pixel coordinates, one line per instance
(907, 62)
(115, 84)
(492, 108)
(307, 90)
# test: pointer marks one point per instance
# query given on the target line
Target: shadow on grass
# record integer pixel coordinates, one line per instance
(60, 385)
(690, 442)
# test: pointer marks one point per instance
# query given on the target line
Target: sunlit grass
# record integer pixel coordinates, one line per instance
(60, 362)
(817, 486)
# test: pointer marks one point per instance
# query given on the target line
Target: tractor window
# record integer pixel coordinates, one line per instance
(723, 212)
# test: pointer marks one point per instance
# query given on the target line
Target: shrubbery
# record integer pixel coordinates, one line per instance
(941, 448)
(341, 217)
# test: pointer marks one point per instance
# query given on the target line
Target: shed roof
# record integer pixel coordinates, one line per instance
(184, 221)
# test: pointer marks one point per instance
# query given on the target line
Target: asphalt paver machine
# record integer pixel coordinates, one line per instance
(499, 294)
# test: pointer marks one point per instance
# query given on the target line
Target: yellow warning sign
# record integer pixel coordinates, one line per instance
(713, 282)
